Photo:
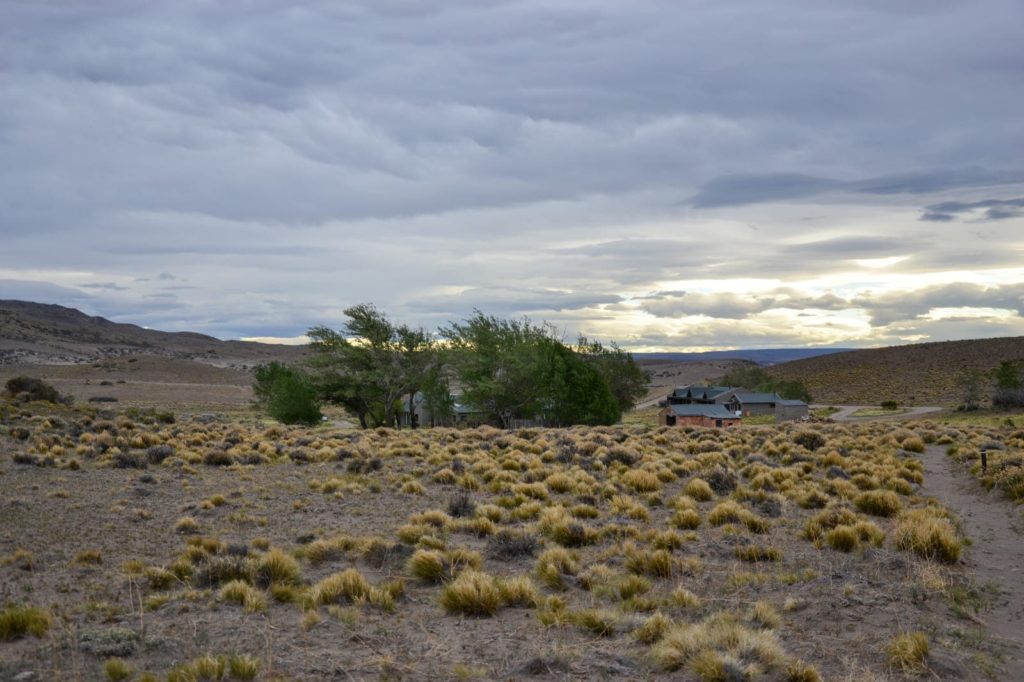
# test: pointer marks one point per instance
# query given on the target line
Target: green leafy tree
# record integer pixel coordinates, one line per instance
(371, 365)
(626, 380)
(575, 391)
(755, 378)
(973, 387)
(498, 364)
(1009, 385)
(286, 395)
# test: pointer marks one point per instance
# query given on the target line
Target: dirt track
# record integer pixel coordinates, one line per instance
(845, 413)
(997, 553)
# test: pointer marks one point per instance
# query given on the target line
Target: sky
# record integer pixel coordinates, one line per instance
(670, 175)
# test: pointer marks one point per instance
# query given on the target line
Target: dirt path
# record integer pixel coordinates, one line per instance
(845, 413)
(997, 553)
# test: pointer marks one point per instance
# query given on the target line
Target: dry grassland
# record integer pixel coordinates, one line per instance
(135, 548)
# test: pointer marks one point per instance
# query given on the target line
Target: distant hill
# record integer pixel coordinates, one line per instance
(762, 356)
(37, 333)
(919, 374)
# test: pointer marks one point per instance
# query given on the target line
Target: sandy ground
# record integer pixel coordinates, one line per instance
(997, 552)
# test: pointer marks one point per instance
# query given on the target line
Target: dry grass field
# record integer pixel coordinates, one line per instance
(134, 547)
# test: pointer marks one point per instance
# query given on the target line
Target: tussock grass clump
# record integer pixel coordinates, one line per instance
(427, 565)
(699, 489)
(653, 629)
(18, 621)
(89, 557)
(657, 564)
(518, 591)
(843, 538)
(799, 671)
(913, 444)
(245, 594)
(641, 481)
(555, 563)
(718, 639)
(686, 599)
(822, 522)
(473, 593)
(600, 623)
(764, 614)
(907, 651)
(878, 502)
(686, 519)
(927, 534)
(756, 553)
(349, 586)
(117, 669)
(278, 567)
(186, 525)
(244, 667)
(730, 511)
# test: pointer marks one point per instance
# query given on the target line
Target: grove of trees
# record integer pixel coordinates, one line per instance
(755, 378)
(504, 370)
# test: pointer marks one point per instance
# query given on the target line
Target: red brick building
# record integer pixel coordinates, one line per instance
(714, 416)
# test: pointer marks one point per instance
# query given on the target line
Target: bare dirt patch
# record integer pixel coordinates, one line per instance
(996, 554)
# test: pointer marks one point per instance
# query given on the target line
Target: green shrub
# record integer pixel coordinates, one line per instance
(286, 394)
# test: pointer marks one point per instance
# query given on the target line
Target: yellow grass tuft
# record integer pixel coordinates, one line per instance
(927, 534)
(473, 593)
(907, 651)
(345, 587)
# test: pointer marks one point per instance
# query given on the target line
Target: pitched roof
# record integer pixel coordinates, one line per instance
(700, 391)
(711, 411)
(792, 403)
(749, 397)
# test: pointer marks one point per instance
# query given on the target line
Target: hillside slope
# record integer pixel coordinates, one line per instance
(918, 374)
(37, 333)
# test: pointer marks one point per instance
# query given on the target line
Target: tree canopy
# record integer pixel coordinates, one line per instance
(755, 378)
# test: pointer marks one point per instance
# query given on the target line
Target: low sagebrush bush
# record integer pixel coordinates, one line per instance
(509, 545)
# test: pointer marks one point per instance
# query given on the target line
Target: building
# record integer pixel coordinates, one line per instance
(750, 404)
(710, 415)
(700, 395)
(791, 410)
(738, 402)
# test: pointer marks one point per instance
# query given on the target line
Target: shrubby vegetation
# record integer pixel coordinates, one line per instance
(506, 370)
(286, 394)
(755, 378)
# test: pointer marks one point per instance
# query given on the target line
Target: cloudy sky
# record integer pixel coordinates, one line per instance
(673, 175)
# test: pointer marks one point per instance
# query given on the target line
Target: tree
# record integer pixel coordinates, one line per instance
(973, 383)
(1009, 385)
(286, 395)
(754, 378)
(497, 364)
(371, 364)
(575, 391)
(514, 369)
(626, 380)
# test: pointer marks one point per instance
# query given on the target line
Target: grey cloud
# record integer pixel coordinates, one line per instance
(328, 153)
(737, 190)
(996, 209)
(109, 286)
(891, 308)
(735, 306)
